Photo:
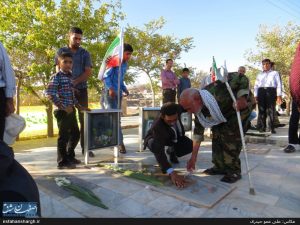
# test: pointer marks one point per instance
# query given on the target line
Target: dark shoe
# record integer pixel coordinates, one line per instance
(66, 165)
(213, 171)
(75, 161)
(273, 132)
(173, 158)
(122, 149)
(231, 178)
(289, 149)
(261, 130)
(91, 154)
(279, 125)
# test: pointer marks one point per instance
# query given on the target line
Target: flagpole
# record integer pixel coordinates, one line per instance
(119, 82)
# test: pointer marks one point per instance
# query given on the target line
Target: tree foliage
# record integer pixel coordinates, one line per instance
(279, 45)
(152, 49)
(35, 29)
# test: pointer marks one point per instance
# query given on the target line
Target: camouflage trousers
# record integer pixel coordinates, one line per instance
(227, 145)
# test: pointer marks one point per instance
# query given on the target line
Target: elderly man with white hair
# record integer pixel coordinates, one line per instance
(213, 107)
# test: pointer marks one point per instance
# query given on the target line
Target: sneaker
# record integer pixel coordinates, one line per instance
(289, 149)
(231, 178)
(75, 161)
(273, 132)
(251, 127)
(279, 125)
(66, 165)
(213, 171)
(261, 130)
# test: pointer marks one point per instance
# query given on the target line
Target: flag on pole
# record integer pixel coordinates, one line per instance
(213, 70)
(113, 55)
(217, 74)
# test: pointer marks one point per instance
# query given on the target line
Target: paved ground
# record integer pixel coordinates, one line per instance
(275, 176)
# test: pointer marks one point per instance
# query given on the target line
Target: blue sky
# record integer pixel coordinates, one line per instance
(221, 28)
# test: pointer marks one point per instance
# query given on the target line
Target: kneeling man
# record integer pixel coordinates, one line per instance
(166, 135)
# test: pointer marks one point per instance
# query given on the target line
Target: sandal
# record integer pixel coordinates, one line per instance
(213, 171)
(231, 178)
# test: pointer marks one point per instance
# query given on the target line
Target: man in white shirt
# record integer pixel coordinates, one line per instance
(267, 90)
(7, 89)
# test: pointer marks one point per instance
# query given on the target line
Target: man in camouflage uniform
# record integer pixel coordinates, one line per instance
(226, 140)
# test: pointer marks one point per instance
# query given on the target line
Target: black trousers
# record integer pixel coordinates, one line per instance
(82, 97)
(266, 108)
(2, 112)
(294, 138)
(68, 135)
(183, 147)
(169, 95)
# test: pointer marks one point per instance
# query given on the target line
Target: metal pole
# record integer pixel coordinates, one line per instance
(116, 150)
(251, 188)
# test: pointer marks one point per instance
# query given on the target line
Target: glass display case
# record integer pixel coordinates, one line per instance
(186, 119)
(147, 117)
(100, 129)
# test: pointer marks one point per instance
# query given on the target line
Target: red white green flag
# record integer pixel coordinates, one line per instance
(113, 56)
(214, 70)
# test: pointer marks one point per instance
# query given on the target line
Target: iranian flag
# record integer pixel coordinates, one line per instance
(213, 70)
(113, 56)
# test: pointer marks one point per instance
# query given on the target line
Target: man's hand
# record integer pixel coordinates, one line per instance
(112, 93)
(10, 108)
(126, 93)
(69, 109)
(178, 180)
(75, 82)
(241, 103)
(191, 165)
(81, 108)
(279, 100)
(75, 91)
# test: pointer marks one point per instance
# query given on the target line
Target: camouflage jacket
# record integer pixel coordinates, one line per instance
(240, 87)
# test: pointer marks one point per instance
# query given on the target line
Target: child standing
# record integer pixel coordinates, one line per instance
(110, 98)
(184, 82)
(60, 92)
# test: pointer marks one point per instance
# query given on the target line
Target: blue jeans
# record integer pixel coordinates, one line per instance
(112, 103)
(252, 116)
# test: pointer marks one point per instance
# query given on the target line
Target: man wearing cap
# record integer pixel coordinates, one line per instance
(213, 107)
(7, 88)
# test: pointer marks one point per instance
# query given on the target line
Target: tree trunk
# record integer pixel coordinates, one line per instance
(49, 108)
(288, 106)
(18, 98)
(152, 90)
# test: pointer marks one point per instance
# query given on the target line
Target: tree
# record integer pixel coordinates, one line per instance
(35, 29)
(151, 50)
(279, 45)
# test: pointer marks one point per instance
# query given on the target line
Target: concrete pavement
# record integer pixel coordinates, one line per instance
(275, 176)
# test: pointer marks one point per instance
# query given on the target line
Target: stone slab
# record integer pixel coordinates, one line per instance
(201, 192)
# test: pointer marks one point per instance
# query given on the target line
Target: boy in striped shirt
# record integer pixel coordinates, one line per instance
(61, 93)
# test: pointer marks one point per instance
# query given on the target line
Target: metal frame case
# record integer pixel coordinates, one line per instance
(100, 130)
(147, 116)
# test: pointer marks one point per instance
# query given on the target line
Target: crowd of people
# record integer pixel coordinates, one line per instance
(211, 104)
